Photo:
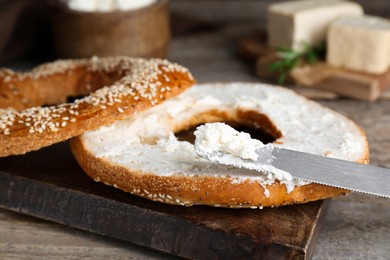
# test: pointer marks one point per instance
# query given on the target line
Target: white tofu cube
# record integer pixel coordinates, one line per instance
(293, 24)
(360, 43)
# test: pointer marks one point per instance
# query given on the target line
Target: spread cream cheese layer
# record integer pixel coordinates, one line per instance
(146, 143)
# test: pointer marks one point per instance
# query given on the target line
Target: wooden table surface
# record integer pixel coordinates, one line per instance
(356, 227)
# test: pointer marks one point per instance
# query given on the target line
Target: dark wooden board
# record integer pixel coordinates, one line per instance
(50, 185)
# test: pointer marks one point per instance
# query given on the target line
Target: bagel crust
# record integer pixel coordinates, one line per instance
(114, 88)
(140, 155)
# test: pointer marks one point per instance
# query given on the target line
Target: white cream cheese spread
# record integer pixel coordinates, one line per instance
(219, 137)
(146, 142)
(219, 142)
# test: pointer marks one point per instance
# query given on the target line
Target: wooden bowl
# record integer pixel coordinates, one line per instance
(140, 33)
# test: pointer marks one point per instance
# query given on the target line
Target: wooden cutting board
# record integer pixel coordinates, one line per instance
(49, 184)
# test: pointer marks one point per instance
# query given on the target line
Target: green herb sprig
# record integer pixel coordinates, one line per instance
(289, 59)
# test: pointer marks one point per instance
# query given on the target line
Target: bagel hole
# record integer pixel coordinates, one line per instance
(72, 99)
(257, 125)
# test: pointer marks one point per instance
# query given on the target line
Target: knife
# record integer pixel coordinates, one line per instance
(315, 168)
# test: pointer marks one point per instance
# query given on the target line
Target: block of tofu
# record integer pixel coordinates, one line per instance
(360, 43)
(293, 24)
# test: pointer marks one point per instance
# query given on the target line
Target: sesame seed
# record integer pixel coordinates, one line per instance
(7, 79)
(140, 80)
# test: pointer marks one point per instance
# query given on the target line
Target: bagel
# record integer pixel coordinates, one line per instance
(120, 86)
(142, 155)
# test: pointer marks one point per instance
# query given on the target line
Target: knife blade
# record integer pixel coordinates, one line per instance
(333, 172)
(315, 168)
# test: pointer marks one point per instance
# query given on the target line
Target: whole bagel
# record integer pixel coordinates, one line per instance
(114, 88)
(141, 154)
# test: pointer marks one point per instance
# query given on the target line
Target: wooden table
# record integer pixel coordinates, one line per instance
(356, 227)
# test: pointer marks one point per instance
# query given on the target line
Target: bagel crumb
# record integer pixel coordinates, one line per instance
(7, 79)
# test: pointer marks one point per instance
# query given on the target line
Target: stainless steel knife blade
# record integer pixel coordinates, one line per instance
(314, 168)
(334, 172)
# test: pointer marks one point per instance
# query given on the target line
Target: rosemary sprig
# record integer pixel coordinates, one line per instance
(289, 59)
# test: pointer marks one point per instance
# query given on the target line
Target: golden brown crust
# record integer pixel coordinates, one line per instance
(132, 85)
(197, 190)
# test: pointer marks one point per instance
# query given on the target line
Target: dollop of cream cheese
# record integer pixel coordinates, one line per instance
(106, 5)
(219, 142)
(220, 137)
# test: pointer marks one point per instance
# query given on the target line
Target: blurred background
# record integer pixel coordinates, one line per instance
(218, 40)
(26, 31)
